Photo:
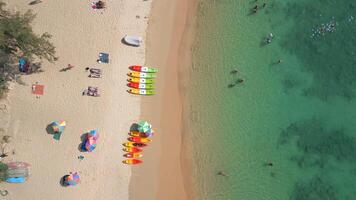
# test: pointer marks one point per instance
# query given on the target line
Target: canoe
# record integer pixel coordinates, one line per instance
(133, 40)
(141, 91)
(143, 69)
(132, 149)
(141, 80)
(132, 161)
(141, 75)
(133, 155)
(141, 85)
(139, 139)
(134, 144)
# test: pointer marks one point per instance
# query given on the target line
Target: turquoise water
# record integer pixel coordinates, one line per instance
(298, 115)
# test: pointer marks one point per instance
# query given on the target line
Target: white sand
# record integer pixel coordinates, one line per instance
(79, 34)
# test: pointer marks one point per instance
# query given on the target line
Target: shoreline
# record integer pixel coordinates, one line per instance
(167, 168)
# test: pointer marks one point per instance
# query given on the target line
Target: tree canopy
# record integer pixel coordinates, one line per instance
(18, 40)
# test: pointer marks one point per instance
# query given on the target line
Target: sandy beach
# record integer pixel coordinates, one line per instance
(79, 34)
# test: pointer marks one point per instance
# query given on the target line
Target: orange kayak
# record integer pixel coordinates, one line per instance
(132, 161)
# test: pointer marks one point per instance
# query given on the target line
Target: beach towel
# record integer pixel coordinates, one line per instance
(15, 180)
(37, 89)
(103, 58)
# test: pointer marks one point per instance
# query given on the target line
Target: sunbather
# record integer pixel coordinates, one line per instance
(95, 73)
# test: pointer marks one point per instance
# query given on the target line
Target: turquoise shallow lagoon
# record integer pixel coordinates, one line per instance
(299, 115)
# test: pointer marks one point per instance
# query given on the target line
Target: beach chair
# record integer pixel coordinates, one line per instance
(91, 91)
(103, 58)
(95, 73)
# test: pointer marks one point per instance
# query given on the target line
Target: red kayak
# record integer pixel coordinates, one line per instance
(141, 85)
(139, 68)
(132, 149)
(139, 139)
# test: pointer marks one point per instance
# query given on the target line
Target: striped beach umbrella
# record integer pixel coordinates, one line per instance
(91, 140)
(58, 126)
(72, 179)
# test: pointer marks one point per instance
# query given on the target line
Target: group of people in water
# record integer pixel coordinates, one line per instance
(256, 7)
(237, 81)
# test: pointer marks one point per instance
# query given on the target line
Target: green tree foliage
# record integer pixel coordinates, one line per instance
(17, 39)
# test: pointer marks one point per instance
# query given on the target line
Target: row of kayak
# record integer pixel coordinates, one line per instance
(133, 147)
(141, 80)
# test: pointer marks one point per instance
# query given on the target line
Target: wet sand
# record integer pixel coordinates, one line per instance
(166, 173)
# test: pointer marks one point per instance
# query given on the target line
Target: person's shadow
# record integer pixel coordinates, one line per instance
(34, 2)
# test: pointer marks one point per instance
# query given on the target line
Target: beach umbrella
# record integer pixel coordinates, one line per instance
(144, 126)
(72, 179)
(58, 126)
(91, 140)
(92, 134)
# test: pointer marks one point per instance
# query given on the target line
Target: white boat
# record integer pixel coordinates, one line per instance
(133, 40)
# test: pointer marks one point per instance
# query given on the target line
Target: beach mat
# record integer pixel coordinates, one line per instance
(37, 89)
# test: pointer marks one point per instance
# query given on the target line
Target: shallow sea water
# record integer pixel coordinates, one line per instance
(299, 115)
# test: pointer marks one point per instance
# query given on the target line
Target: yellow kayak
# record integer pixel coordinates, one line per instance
(138, 134)
(133, 155)
(141, 75)
(132, 161)
(141, 91)
(141, 80)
